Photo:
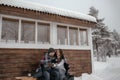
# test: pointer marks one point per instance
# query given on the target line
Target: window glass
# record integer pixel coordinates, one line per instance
(83, 37)
(28, 32)
(43, 33)
(73, 33)
(62, 35)
(9, 30)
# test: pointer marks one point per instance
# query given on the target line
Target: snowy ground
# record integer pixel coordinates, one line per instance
(109, 70)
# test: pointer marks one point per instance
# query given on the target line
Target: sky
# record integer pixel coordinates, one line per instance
(108, 9)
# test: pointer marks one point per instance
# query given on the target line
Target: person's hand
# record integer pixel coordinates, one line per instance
(50, 64)
(54, 65)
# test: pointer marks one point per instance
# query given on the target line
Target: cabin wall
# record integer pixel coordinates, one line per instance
(17, 62)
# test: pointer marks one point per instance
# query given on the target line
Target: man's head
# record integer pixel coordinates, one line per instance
(51, 52)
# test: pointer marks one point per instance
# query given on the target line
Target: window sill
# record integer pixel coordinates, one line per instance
(42, 46)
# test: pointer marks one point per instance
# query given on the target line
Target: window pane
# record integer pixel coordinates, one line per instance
(83, 37)
(62, 35)
(28, 32)
(73, 33)
(9, 30)
(43, 33)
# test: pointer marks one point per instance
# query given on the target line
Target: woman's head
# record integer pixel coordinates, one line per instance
(60, 54)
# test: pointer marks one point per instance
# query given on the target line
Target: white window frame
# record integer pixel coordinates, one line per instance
(53, 35)
(87, 43)
(68, 41)
(77, 36)
(19, 31)
(36, 32)
(0, 27)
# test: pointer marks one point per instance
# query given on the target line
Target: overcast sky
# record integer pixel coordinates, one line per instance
(108, 9)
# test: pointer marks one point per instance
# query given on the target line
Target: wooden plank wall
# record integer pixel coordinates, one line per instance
(17, 62)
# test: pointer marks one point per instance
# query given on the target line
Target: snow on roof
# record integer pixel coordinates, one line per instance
(47, 9)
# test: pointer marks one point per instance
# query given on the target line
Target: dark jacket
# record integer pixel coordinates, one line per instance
(46, 60)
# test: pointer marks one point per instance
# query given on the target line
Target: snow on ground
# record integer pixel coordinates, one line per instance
(109, 70)
(77, 78)
(86, 76)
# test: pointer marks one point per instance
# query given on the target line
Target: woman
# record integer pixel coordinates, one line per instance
(60, 63)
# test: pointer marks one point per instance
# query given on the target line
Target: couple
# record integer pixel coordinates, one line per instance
(53, 65)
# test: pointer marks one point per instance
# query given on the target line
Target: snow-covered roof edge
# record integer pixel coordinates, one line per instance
(47, 9)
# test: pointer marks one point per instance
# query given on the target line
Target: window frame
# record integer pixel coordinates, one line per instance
(52, 35)
(46, 25)
(86, 31)
(11, 20)
(62, 26)
(77, 37)
(24, 22)
(78, 28)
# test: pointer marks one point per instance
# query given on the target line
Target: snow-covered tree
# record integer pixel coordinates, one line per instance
(115, 42)
(93, 12)
(100, 35)
(95, 32)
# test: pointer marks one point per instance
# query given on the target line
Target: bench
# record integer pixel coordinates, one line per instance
(25, 78)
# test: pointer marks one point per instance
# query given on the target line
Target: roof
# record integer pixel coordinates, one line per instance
(46, 9)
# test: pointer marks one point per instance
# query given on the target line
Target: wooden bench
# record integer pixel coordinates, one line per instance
(25, 78)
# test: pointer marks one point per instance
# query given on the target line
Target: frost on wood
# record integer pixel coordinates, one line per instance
(47, 9)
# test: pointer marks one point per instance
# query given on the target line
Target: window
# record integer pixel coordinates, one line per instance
(76, 36)
(28, 32)
(73, 36)
(62, 37)
(9, 30)
(39, 32)
(83, 37)
(43, 33)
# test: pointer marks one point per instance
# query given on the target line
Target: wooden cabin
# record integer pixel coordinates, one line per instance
(28, 29)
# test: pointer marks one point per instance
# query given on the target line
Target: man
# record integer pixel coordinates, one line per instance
(49, 72)
(50, 63)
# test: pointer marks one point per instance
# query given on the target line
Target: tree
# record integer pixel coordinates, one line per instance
(100, 34)
(115, 42)
(95, 32)
(93, 12)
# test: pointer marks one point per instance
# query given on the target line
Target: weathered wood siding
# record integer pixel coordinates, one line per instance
(17, 62)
